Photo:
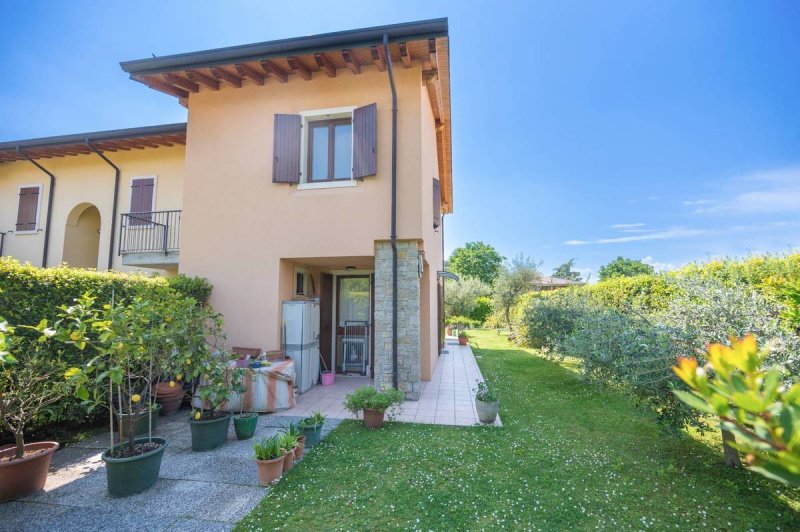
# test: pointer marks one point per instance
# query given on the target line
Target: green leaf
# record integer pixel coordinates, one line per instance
(749, 401)
(695, 402)
(82, 393)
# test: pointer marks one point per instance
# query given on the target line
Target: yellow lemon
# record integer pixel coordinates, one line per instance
(179, 377)
(197, 415)
(136, 398)
(171, 384)
(188, 361)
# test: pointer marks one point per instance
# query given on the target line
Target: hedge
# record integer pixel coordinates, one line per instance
(29, 294)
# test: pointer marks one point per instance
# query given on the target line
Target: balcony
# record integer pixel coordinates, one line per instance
(150, 239)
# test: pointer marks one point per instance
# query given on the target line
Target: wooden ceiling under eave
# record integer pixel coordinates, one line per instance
(109, 145)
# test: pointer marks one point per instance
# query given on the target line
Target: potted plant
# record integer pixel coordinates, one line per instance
(128, 338)
(269, 459)
(486, 403)
(299, 449)
(30, 383)
(245, 423)
(312, 428)
(288, 442)
(374, 404)
(463, 338)
(211, 370)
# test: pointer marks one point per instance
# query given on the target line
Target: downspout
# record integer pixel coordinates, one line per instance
(50, 196)
(393, 236)
(114, 205)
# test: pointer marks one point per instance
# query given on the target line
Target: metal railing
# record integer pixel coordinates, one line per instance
(149, 232)
(355, 347)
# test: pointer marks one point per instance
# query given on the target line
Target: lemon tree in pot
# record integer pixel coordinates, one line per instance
(128, 338)
(29, 384)
(209, 423)
(374, 404)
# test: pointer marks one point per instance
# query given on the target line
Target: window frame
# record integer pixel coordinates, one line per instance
(37, 227)
(333, 114)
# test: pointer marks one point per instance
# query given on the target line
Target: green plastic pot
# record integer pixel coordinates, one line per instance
(209, 434)
(141, 425)
(127, 476)
(245, 425)
(313, 435)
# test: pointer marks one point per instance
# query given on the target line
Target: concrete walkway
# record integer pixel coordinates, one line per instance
(195, 491)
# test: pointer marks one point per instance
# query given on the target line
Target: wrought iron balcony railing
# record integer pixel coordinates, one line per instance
(149, 232)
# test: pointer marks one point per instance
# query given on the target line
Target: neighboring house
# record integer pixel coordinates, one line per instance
(298, 180)
(546, 282)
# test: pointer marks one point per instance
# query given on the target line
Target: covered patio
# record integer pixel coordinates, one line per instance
(447, 399)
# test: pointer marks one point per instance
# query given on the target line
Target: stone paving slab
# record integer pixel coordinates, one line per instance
(207, 491)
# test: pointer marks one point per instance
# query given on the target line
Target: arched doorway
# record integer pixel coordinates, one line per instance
(82, 237)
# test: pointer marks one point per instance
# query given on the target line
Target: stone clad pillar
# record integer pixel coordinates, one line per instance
(408, 317)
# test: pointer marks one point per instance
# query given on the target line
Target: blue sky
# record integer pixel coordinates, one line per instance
(665, 131)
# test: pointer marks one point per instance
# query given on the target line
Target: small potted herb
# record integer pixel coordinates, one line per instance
(486, 403)
(463, 338)
(299, 449)
(288, 443)
(269, 459)
(312, 428)
(374, 404)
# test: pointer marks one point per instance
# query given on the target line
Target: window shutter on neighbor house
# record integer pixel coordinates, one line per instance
(365, 141)
(437, 204)
(286, 149)
(28, 205)
(142, 194)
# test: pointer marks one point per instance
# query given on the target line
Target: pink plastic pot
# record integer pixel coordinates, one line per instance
(328, 378)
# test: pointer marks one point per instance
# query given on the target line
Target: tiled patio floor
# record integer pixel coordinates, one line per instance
(445, 400)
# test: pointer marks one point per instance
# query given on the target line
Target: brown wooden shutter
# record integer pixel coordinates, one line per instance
(142, 191)
(26, 211)
(365, 141)
(437, 204)
(286, 149)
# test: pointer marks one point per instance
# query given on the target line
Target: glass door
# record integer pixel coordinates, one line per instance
(353, 324)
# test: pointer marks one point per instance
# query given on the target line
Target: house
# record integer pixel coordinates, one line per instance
(312, 167)
(547, 282)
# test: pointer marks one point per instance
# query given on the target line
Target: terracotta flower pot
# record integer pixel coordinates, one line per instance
(299, 449)
(462, 340)
(29, 473)
(288, 461)
(373, 419)
(269, 470)
(169, 397)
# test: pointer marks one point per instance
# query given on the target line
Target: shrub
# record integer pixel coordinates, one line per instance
(551, 317)
(645, 293)
(368, 398)
(461, 297)
(198, 288)
(482, 310)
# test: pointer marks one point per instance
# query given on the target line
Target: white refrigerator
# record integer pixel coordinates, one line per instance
(301, 340)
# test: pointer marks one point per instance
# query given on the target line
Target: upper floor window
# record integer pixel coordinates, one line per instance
(143, 200)
(330, 149)
(28, 209)
(327, 147)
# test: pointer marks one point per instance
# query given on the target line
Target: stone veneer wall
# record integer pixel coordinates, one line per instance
(408, 333)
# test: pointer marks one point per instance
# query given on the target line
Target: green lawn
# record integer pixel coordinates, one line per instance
(571, 455)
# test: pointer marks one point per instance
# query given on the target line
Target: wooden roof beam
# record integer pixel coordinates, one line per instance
(246, 71)
(203, 79)
(184, 83)
(299, 68)
(227, 77)
(163, 86)
(324, 63)
(273, 69)
(351, 62)
(377, 57)
(404, 56)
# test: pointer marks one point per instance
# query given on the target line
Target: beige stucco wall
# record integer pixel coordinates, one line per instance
(83, 180)
(237, 225)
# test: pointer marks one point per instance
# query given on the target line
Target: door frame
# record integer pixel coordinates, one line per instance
(371, 318)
